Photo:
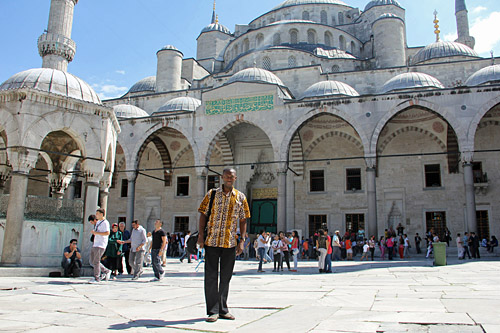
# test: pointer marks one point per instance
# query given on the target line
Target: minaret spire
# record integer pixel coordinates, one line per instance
(436, 26)
(55, 46)
(213, 15)
(463, 24)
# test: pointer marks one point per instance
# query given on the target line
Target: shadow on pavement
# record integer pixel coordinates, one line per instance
(151, 323)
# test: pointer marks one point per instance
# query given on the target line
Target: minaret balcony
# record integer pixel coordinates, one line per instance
(51, 43)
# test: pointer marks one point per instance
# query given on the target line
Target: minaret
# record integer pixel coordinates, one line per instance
(55, 46)
(213, 15)
(463, 24)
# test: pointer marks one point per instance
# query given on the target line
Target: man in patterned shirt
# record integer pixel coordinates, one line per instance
(229, 206)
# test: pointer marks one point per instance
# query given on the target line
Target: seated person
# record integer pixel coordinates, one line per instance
(72, 259)
(492, 244)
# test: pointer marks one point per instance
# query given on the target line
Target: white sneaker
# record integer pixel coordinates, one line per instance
(162, 275)
(107, 276)
(154, 280)
(135, 278)
(94, 281)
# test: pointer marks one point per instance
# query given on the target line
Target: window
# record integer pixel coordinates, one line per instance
(342, 43)
(341, 18)
(432, 175)
(328, 39)
(305, 15)
(437, 222)
(266, 63)
(246, 45)
(276, 39)
(122, 219)
(317, 222)
(483, 224)
(335, 68)
(183, 186)
(124, 188)
(78, 189)
(311, 36)
(213, 182)
(353, 179)
(317, 181)
(477, 171)
(292, 62)
(181, 224)
(324, 17)
(260, 39)
(294, 37)
(355, 222)
(353, 47)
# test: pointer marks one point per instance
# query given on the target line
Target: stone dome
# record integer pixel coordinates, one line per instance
(52, 81)
(490, 74)
(216, 27)
(388, 16)
(411, 81)
(329, 88)
(443, 50)
(169, 48)
(129, 111)
(289, 3)
(375, 3)
(180, 104)
(146, 84)
(255, 74)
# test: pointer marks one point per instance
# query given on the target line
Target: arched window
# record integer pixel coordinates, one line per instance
(260, 39)
(266, 63)
(235, 51)
(276, 39)
(292, 62)
(334, 20)
(342, 43)
(324, 17)
(353, 47)
(305, 15)
(246, 45)
(294, 37)
(328, 39)
(311, 36)
(341, 18)
(335, 68)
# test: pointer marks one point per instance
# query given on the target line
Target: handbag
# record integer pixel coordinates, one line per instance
(95, 228)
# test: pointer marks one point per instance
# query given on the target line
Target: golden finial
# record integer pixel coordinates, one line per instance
(214, 5)
(216, 19)
(436, 25)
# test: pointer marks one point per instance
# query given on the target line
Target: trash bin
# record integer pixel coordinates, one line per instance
(439, 253)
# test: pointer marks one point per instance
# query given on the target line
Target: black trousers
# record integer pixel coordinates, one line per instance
(120, 265)
(217, 290)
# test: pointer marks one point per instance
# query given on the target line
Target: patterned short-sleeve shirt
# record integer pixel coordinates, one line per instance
(227, 209)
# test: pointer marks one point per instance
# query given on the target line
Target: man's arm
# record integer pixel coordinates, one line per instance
(243, 230)
(201, 229)
(68, 254)
(164, 243)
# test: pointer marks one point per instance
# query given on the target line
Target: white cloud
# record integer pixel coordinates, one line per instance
(485, 30)
(107, 91)
(451, 37)
(478, 9)
(122, 72)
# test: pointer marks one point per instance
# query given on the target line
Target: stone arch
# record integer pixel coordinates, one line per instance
(246, 45)
(305, 15)
(132, 161)
(9, 130)
(324, 17)
(219, 135)
(407, 129)
(328, 38)
(446, 115)
(259, 40)
(163, 152)
(339, 134)
(297, 155)
(312, 36)
(342, 42)
(474, 124)
(340, 113)
(85, 137)
(180, 154)
(294, 36)
(276, 39)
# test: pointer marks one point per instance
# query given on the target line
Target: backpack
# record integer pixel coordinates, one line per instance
(322, 242)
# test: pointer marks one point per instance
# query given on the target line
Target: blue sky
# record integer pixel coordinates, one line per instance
(117, 40)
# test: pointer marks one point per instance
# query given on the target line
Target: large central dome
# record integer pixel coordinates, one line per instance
(289, 3)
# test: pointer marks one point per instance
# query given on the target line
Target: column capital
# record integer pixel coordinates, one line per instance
(131, 175)
(467, 157)
(371, 162)
(106, 180)
(22, 159)
(93, 170)
(201, 171)
(59, 182)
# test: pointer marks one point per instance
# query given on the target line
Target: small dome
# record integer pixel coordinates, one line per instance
(411, 81)
(375, 3)
(146, 84)
(289, 3)
(52, 81)
(490, 74)
(388, 16)
(255, 74)
(216, 27)
(169, 48)
(129, 111)
(443, 50)
(329, 88)
(180, 104)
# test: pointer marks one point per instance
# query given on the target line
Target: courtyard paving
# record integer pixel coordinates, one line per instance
(380, 296)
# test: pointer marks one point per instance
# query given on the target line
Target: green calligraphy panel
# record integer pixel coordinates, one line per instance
(242, 104)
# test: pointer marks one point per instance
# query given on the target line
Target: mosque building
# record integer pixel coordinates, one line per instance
(330, 119)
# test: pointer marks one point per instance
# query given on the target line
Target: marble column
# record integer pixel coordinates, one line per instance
(132, 177)
(69, 194)
(105, 184)
(371, 190)
(470, 196)
(290, 201)
(201, 186)
(282, 199)
(22, 162)
(93, 171)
